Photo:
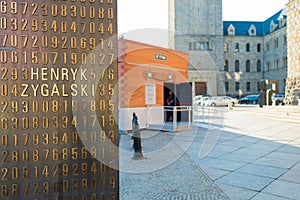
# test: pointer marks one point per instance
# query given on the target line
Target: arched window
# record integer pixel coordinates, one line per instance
(268, 65)
(258, 66)
(258, 47)
(237, 66)
(248, 66)
(237, 86)
(226, 86)
(284, 39)
(267, 46)
(276, 43)
(236, 47)
(225, 47)
(285, 61)
(226, 65)
(248, 47)
(248, 86)
(276, 63)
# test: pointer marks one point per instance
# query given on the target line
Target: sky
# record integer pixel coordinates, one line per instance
(146, 20)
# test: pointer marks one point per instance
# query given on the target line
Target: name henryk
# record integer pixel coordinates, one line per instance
(62, 74)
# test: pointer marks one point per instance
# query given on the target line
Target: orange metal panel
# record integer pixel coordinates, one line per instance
(142, 64)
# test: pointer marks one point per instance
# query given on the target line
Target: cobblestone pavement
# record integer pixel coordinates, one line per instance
(256, 156)
(180, 178)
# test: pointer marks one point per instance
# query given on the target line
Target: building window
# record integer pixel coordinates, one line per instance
(226, 86)
(237, 86)
(202, 45)
(248, 66)
(248, 86)
(258, 66)
(231, 30)
(258, 47)
(267, 46)
(282, 22)
(236, 47)
(268, 66)
(248, 47)
(252, 30)
(225, 47)
(273, 26)
(276, 63)
(207, 45)
(284, 39)
(198, 45)
(226, 65)
(285, 61)
(276, 43)
(237, 66)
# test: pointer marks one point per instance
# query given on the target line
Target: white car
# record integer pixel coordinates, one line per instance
(220, 101)
(197, 100)
(277, 98)
(200, 100)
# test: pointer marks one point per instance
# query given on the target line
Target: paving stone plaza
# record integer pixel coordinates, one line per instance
(252, 153)
(242, 153)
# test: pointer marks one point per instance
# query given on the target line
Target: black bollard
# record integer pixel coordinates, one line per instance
(136, 136)
(261, 98)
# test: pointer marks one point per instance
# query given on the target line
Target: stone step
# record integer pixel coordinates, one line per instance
(282, 113)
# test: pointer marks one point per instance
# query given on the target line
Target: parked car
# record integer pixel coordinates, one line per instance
(277, 98)
(249, 99)
(220, 101)
(199, 100)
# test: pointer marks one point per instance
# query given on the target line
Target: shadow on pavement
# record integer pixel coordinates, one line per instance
(253, 158)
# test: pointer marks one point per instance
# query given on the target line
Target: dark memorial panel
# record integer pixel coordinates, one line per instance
(58, 104)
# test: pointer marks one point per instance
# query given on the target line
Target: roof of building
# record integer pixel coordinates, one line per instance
(262, 28)
(241, 27)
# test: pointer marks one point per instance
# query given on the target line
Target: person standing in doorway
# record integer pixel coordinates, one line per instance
(170, 104)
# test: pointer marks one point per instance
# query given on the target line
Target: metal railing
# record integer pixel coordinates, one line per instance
(196, 114)
(179, 125)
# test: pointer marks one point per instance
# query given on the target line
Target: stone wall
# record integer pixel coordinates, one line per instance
(196, 27)
(242, 56)
(275, 58)
(293, 51)
(196, 17)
